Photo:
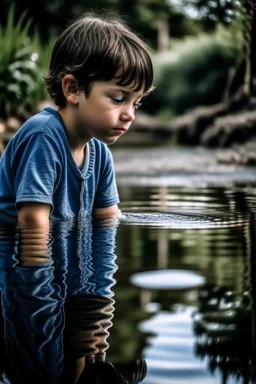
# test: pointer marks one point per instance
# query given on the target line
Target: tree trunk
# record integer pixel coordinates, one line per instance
(252, 50)
(248, 39)
(163, 33)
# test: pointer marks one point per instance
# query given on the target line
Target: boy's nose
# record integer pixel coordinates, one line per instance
(128, 114)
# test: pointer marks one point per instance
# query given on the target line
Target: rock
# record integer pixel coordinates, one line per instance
(228, 130)
(204, 125)
(2, 127)
(13, 124)
(229, 157)
(239, 154)
(189, 127)
(2, 130)
(45, 103)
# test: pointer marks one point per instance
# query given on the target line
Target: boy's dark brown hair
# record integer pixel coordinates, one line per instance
(97, 47)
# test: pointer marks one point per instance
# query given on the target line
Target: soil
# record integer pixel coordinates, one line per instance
(157, 161)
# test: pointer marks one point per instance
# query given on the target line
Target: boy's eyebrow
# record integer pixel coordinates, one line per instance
(120, 90)
(123, 91)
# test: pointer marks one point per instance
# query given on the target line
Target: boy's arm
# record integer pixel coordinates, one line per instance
(107, 213)
(34, 227)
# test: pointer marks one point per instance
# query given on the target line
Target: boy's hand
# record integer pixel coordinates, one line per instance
(34, 226)
(107, 213)
(33, 215)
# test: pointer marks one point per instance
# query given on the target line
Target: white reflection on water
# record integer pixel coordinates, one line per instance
(196, 179)
(170, 350)
(167, 279)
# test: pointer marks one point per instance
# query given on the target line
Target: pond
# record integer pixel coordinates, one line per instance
(172, 281)
(196, 321)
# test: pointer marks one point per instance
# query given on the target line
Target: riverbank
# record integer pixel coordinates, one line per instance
(232, 137)
(153, 139)
(180, 166)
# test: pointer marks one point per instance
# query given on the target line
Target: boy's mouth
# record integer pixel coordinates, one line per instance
(121, 129)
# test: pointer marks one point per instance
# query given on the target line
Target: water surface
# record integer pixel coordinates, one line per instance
(172, 281)
(203, 225)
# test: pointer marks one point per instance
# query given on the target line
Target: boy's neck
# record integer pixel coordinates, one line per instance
(68, 116)
(78, 147)
(79, 156)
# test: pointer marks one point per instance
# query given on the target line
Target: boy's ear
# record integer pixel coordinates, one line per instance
(70, 89)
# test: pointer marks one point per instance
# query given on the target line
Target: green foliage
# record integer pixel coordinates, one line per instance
(22, 61)
(194, 72)
(44, 51)
(17, 69)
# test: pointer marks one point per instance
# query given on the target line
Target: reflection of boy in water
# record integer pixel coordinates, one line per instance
(88, 319)
(65, 309)
(58, 164)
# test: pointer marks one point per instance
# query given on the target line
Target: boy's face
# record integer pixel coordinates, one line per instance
(107, 112)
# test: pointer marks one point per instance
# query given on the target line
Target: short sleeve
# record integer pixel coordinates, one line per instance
(36, 166)
(107, 193)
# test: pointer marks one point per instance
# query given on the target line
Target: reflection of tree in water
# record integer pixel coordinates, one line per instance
(223, 329)
(225, 322)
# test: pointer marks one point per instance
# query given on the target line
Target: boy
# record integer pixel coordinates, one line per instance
(58, 165)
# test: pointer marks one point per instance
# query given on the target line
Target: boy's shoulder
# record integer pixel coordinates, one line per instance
(41, 122)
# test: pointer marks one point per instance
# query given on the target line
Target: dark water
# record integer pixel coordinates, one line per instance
(195, 320)
(173, 282)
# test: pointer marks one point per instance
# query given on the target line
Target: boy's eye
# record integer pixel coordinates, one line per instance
(137, 105)
(120, 100)
(117, 100)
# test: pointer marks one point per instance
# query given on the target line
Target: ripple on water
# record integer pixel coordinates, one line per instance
(182, 221)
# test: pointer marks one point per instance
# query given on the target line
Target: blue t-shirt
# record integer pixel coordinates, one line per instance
(38, 166)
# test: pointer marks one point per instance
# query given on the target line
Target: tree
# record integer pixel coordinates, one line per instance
(248, 21)
(211, 12)
(232, 120)
(159, 14)
(155, 20)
